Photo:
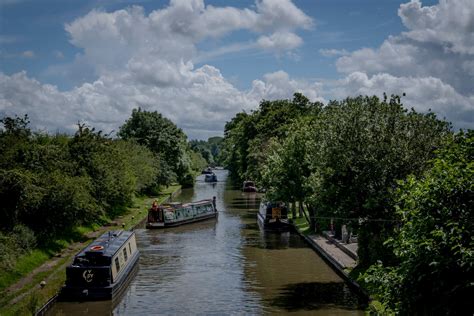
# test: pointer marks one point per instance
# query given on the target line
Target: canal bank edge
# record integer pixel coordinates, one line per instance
(334, 263)
(30, 297)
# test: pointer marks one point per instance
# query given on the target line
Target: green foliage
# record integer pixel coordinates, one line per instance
(435, 243)
(248, 137)
(54, 183)
(210, 150)
(163, 138)
(343, 160)
(362, 147)
(21, 240)
(198, 163)
(144, 164)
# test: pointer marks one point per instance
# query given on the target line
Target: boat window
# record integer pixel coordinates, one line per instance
(129, 248)
(117, 264)
(125, 254)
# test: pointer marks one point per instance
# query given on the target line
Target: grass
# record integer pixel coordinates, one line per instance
(33, 295)
(25, 264)
(301, 224)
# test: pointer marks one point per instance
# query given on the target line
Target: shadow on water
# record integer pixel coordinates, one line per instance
(316, 295)
(250, 215)
(241, 206)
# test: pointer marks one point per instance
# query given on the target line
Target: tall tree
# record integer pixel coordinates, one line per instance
(434, 245)
(162, 137)
(363, 146)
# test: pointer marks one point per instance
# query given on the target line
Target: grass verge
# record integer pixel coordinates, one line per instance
(49, 263)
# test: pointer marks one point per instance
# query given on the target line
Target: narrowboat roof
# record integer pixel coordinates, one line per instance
(179, 204)
(107, 244)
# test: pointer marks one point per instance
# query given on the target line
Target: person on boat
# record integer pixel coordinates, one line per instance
(154, 209)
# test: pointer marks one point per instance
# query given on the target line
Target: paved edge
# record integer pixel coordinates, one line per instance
(42, 311)
(336, 266)
(340, 246)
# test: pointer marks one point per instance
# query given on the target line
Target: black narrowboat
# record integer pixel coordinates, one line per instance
(176, 213)
(273, 216)
(208, 170)
(103, 269)
(210, 177)
(249, 186)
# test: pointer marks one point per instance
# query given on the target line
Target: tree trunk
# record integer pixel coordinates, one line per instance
(301, 209)
(293, 209)
(312, 217)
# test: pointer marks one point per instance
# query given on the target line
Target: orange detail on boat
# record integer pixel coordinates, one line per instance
(96, 248)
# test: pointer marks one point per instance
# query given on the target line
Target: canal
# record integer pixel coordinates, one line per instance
(228, 266)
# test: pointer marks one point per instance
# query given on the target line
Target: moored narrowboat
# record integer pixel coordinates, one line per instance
(249, 186)
(273, 216)
(103, 269)
(176, 213)
(210, 177)
(208, 170)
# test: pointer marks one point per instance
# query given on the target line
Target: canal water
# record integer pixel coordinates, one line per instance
(225, 266)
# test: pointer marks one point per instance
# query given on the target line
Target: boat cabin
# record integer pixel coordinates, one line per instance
(99, 270)
(249, 186)
(176, 213)
(210, 177)
(273, 216)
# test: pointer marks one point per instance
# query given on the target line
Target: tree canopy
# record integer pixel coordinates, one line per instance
(166, 140)
(434, 243)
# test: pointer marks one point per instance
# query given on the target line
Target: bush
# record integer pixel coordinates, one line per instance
(435, 242)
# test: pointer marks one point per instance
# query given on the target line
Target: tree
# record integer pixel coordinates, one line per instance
(247, 136)
(434, 245)
(362, 147)
(162, 137)
(287, 168)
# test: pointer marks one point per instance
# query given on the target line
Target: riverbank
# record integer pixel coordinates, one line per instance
(341, 257)
(26, 296)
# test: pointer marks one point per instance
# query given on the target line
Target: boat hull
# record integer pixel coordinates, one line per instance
(273, 225)
(249, 189)
(97, 293)
(161, 225)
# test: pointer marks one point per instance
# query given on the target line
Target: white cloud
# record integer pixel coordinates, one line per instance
(132, 59)
(333, 52)
(200, 104)
(279, 41)
(279, 85)
(432, 62)
(111, 39)
(449, 23)
(423, 93)
(58, 54)
(9, 39)
(28, 54)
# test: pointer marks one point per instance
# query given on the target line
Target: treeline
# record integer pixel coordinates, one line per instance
(210, 150)
(400, 180)
(50, 184)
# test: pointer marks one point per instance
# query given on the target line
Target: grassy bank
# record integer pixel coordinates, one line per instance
(20, 291)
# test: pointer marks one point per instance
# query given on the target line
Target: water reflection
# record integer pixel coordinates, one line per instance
(225, 266)
(314, 295)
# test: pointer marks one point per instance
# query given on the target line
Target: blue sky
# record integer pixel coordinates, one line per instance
(65, 60)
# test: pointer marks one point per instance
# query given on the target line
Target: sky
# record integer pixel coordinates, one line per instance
(201, 62)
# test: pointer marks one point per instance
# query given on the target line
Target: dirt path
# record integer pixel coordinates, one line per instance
(51, 265)
(22, 289)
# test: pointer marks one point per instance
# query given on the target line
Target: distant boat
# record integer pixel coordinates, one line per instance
(249, 186)
(208, 170)
(176, 213)
(102, 270)
(273, 216)
(210, 177)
